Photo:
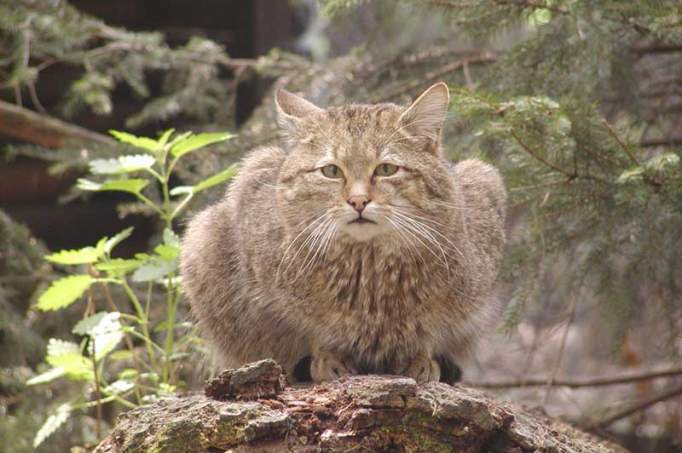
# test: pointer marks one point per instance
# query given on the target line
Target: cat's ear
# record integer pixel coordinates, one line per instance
(291, 109)
(425, 116)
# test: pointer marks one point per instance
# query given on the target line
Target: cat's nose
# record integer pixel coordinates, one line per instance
(358, 202)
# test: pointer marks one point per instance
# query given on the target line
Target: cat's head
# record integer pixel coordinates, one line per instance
(358, 172)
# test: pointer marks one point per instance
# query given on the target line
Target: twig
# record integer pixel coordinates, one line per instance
(657, 48)
(540, 158)
(485, 57)
(34, 97)
(651, 143)
(638, 407)
(562, 348)
(621, 143)
(584, 383)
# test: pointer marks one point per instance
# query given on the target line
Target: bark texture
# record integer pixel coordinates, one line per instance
(360, 413)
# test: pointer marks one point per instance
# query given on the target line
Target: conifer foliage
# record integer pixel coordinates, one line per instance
(583, 113)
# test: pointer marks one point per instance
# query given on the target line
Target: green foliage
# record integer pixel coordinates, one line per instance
(64, 292)
(94, 361)
(52, 424)
(37, 35)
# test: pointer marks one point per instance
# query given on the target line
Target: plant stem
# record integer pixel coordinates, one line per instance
(171, 308)
(144, 321)
(165, 176)
(98, 393)
(178, 209)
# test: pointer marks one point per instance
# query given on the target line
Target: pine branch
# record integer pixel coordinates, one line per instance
(620, 142)
(539, 158)
(638, 407)
(584, 383)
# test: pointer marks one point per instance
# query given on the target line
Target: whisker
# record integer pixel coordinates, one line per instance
(314, 246)
(312, 224)
(411, 247)
(433, 230)
(422, 239)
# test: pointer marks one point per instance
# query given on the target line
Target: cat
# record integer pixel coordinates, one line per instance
(355, 244)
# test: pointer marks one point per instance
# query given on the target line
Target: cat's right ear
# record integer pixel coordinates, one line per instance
(291, 109)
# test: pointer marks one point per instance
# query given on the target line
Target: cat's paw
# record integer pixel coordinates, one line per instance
(326, 366)
(423, 369)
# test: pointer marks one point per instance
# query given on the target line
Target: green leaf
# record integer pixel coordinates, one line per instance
(178, 138)
(154, 269)
(128, 373)
(119, 266)
(53, 422)
(117, 239)
(216, 179)
(64, 292)
(67, 356)
(165, 136)
(167, 252)
(162, 326)
(105, 330)
(141, 142)
(181, 190)
(56, 347)
(122, 354)
(133, 186)
(170, 238)
(48, 376)
(118, 387)
(122, 164)
(81, 256)
(194, 142)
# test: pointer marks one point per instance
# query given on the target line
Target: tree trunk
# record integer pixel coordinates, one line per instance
(360, 413)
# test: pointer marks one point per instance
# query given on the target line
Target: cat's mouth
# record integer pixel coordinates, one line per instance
(360, 221)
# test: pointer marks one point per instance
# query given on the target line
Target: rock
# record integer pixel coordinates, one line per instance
(358, 413)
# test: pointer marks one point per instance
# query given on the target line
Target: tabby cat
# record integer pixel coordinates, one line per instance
(354, 244)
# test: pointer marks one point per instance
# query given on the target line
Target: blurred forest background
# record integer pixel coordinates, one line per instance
(578, 102)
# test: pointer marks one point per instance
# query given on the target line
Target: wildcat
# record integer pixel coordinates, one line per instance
(355, 243)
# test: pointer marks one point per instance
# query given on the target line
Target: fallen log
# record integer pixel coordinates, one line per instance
(44, 130)
(248, 410)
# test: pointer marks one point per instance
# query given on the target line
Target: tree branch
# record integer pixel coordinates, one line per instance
(589, 382)
(620, 142)
(541, 159)
(483, 58)
(638, 407)
(651, 143)
(45, 130)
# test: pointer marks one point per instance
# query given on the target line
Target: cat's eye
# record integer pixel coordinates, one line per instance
(332, 171)
(386, 170)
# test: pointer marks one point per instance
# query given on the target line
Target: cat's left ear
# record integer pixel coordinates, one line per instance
(291, 109)
(426, 115)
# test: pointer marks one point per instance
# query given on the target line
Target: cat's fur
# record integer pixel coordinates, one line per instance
(268, 277)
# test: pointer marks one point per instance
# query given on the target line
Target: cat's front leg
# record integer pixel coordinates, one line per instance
(327, 366)
(422, 368)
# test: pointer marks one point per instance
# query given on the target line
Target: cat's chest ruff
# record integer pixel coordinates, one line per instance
(377, 281)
